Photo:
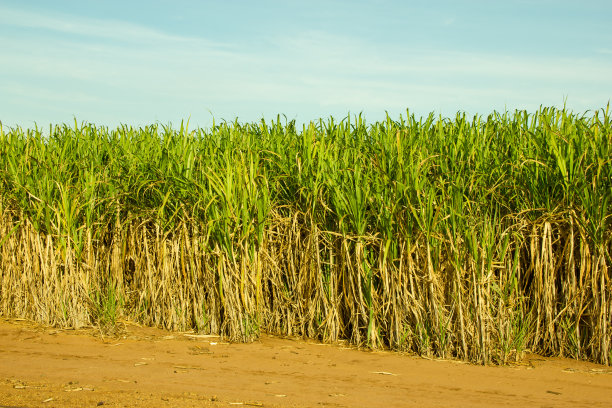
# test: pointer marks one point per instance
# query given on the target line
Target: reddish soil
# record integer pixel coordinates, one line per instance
(144, 367)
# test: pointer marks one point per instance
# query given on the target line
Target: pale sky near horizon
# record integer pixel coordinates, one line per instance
(136, 63)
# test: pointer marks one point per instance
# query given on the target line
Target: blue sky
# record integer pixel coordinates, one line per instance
(141, 62)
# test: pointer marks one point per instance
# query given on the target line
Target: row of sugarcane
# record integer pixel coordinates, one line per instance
(477, 239)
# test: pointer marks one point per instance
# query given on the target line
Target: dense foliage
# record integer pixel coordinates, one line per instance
(475, 238)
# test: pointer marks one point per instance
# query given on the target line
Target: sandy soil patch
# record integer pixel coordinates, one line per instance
(145, 367)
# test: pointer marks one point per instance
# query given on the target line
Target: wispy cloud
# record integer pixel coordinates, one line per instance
(79, 26)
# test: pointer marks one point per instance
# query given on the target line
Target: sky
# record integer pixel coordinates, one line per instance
(143, 62)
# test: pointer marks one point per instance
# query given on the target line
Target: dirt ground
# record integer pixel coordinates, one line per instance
(145, 367)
